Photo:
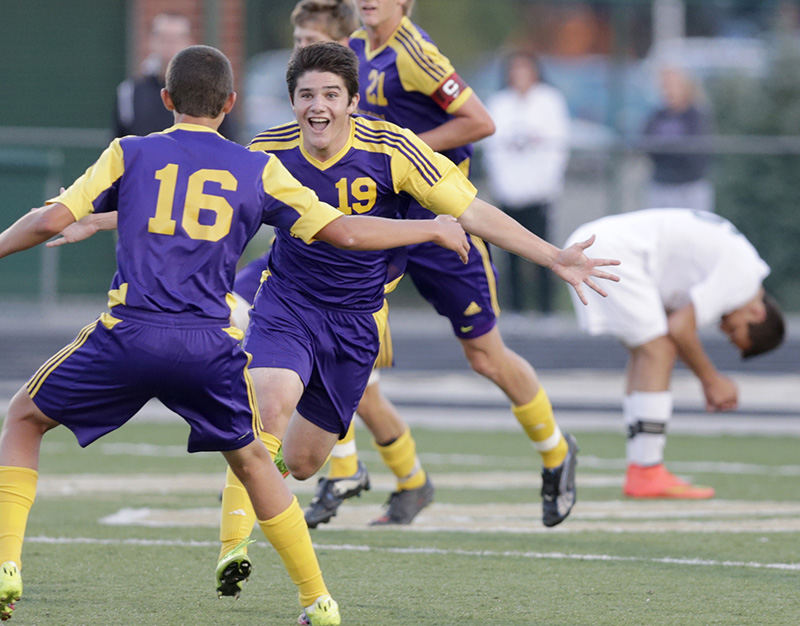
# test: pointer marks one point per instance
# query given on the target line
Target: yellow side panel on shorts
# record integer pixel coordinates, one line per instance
(108, 320)
(385, 352)
(234, 332)
(36, 381)
(487, 268)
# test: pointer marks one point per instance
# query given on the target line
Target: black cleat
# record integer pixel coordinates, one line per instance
(558, 486)
(331, 492)
(403, 506)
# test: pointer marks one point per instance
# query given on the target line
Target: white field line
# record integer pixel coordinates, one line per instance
(77, 484)
(478, 554)
(614, 517)
(584, 461)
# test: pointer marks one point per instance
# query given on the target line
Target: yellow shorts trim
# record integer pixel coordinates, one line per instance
(480, 246)
(385, 353)
(37, 380)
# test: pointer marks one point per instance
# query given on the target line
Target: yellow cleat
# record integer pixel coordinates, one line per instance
(233, 570)
(324, 612)
(10, 588)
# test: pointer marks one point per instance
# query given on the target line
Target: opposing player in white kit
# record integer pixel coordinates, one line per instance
(680, 270)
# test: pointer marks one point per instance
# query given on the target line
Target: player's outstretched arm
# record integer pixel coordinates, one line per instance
(570, 264)
(35, 227)
(365, 232)
(85, 228)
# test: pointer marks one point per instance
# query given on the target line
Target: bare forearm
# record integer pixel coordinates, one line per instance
(364, 232)
(33, 228)
(683, 332)
(492, 225)
(456, 132)
(470, 123)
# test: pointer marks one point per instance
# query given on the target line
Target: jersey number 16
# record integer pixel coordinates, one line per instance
(163, 224)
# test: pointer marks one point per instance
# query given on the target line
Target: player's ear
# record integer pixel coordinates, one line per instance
(229, 102)
(353, 106)
(167, 100)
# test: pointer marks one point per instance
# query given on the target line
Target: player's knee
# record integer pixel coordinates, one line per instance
(483, 364)
(22, 412)
(301, 466)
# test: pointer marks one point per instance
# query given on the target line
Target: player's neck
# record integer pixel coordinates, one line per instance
(211, 122)
(379, 34)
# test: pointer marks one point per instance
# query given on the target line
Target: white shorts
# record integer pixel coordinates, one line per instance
(633, 311)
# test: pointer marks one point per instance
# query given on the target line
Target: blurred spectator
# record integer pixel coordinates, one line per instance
(679, 178)
(138, 109)
(526, 159)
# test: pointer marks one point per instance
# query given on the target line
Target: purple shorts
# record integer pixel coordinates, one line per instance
(332, 351)
(249, 278)
(99, 381)
(464, 294)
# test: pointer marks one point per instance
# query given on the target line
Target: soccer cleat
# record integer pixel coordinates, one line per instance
(558, 486)
(280, 463)
(404, 505)
(656, 481)
(331, 492)
(10, 588)
(324, 612)
(233, 570)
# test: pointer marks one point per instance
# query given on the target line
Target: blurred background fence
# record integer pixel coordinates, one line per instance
(62, 61)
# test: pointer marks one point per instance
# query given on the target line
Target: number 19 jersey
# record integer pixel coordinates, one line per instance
(188, 202)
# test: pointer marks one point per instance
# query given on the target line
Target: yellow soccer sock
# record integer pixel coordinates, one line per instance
(344, 456)
(17, 492)
(288, 534)
(400, 456)
(237, 516)
(536, 418)
(271, 442)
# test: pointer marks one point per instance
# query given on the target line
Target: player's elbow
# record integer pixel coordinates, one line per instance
(487, 127)
(47, 223)
(341, 233)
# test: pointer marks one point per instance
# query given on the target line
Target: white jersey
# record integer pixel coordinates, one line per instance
(670, 258)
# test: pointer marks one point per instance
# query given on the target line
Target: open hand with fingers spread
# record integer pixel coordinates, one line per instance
(574, 267)
(452, 236)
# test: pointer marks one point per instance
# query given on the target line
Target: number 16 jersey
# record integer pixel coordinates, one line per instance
(188, 202)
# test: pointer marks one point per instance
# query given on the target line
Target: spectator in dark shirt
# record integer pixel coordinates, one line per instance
(679, 177)
(138, 108)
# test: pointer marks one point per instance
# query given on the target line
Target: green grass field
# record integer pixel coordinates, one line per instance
(125, 532)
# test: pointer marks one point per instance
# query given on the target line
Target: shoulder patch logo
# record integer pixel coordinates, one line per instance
(472, 309)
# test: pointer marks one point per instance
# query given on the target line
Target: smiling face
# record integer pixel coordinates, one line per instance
(323, 108)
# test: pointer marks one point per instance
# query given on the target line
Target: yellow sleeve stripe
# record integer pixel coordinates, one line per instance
(393, 139)
(410, 42)
(314, 215)
(280, 137)
(98, 178)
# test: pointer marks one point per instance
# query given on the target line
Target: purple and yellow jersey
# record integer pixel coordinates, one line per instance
(376, 173)
(188, 202)
(408, 82)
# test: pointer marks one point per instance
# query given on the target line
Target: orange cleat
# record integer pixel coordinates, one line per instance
(655, 481)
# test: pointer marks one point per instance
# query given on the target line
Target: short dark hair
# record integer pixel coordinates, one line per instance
(199, 80)
(324, 56)
(338, 18)
(766, 335)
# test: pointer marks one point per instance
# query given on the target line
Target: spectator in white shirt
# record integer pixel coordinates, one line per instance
(526, 159)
